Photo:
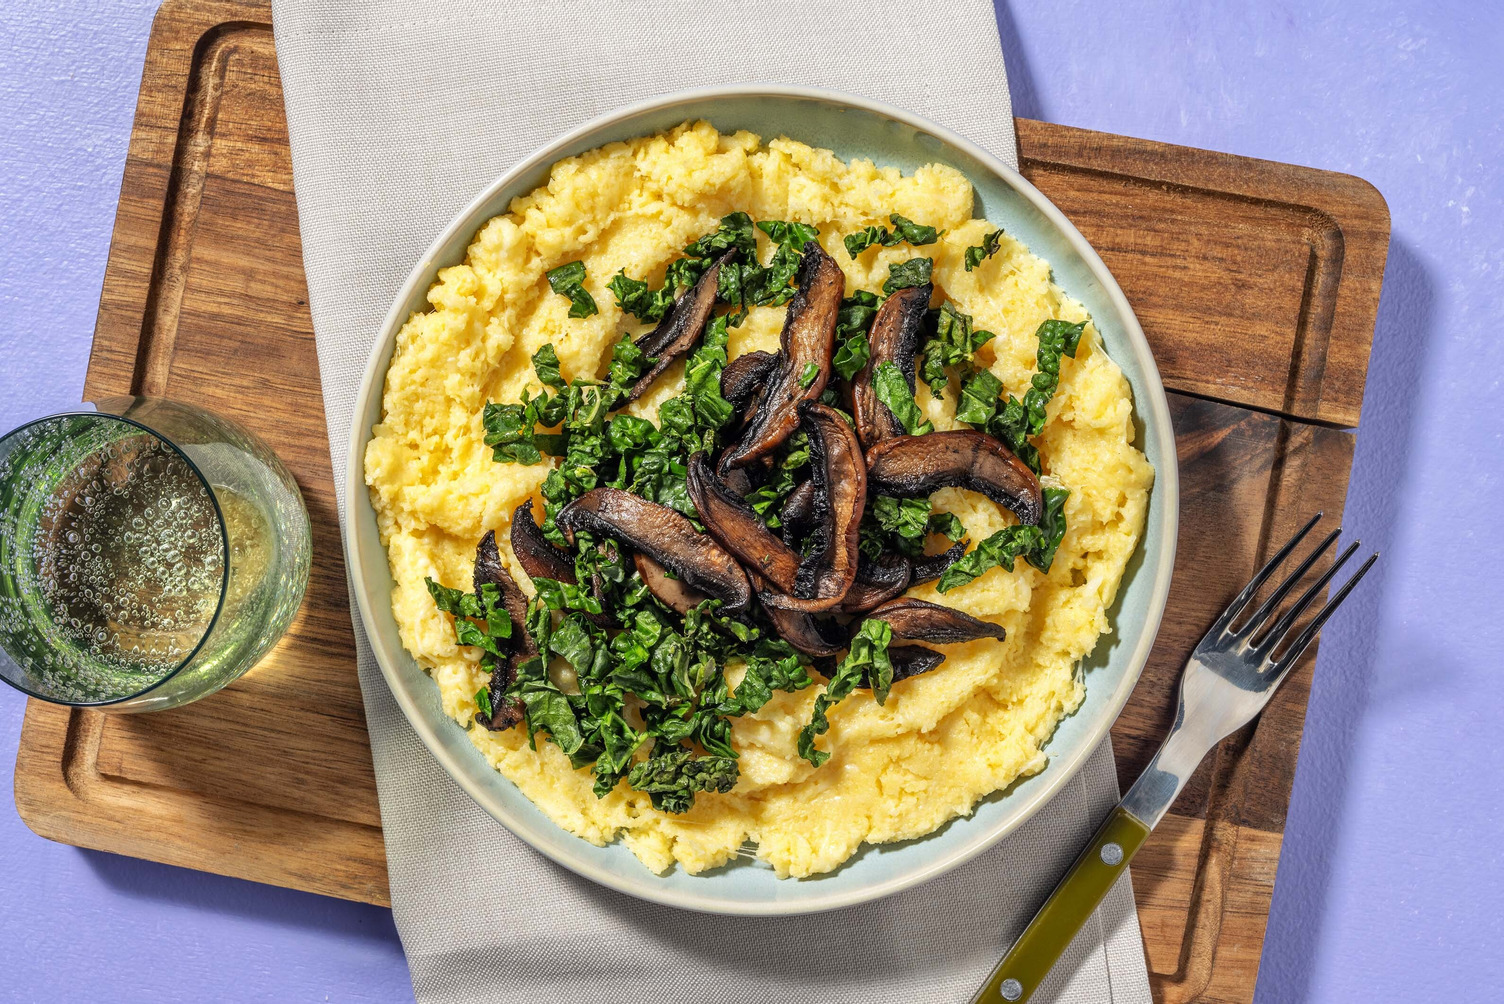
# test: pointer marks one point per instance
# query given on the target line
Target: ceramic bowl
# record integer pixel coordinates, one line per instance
(851, 127)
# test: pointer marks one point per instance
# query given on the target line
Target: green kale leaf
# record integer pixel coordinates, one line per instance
(569, 280)
(893, 390)
(907, 230)
(867, 659)
(914, 272)
(673, 777)
(1036, 544)
(978, 253)
(853, 321)
(953, 343)
(904, 230)
(1018, 421)
(546, 365)
(636, 297)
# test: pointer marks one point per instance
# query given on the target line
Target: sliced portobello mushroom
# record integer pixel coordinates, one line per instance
(911, 660)
(921, 620)
(672, 593)
(538, 558)
(664, 535)
(807, 633)
(798, 513)
(876, 582)
(932, 566)
(744, 377)
(738, 528)
(490, 570)
(681, 328)
(894, 338)
(541, 560)
(918, 465)
(828, 570)
(738, 481)
(809, 337)
(803, 631)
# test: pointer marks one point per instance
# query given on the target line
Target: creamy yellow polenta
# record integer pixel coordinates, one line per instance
(944, 740)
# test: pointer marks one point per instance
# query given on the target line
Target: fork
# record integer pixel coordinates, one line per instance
(1229, 679)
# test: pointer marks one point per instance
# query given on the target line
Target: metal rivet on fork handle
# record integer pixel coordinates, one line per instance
(1011, 990)
(1112, 854)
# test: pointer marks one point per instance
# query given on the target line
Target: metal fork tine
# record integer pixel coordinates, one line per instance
(1241, 600)
(1303, 641)
(1268, 639)
(1261, 615)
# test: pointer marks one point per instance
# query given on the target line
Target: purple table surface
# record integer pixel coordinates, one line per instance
(1391, 886)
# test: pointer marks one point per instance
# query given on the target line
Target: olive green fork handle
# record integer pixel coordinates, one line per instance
(1035, 953)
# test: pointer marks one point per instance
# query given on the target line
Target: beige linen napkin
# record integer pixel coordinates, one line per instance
(399, 112)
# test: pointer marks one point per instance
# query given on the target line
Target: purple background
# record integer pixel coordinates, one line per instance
(1392, 882)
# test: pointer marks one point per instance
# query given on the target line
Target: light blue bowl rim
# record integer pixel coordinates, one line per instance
(372, 582)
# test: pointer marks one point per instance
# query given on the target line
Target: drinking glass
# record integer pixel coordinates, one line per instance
(150, 553)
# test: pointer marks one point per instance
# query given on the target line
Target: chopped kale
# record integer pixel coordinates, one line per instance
(1036, 544)
(904, 230)
(635, 296)
(853, 321)
(546, 365)
(569, 280)
(867, 660)
(893, 390)
(953, 343)
(1014, 421)
(914, 272)
(673, 778)
(978, 253)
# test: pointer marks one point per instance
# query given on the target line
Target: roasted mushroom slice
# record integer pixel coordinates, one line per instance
(807, 633)
(681, 328)
(798, 513)
(876, 582)
(738, 482)
(809, 338)
(738, 529)
(911, 660)
(921, 620)
(490, 571)
(894, 337)
(666, 536)
(671, 592)
(932, 566)
(829, 569)
(918, 465)
(538, 558)
(541, 560)
(744, 377)
(504, 713)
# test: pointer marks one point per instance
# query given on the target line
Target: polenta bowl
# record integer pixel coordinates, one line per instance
(846, 775)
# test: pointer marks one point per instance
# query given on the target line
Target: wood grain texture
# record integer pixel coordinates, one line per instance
(1257, 284)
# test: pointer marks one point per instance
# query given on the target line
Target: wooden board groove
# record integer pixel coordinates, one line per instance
(1257, 284)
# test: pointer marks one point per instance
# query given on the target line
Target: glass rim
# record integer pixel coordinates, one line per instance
(224, 544)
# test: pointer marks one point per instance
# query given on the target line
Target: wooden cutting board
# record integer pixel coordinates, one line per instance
(1257, 284)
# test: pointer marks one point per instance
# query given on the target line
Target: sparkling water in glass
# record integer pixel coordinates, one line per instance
(150, 553)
